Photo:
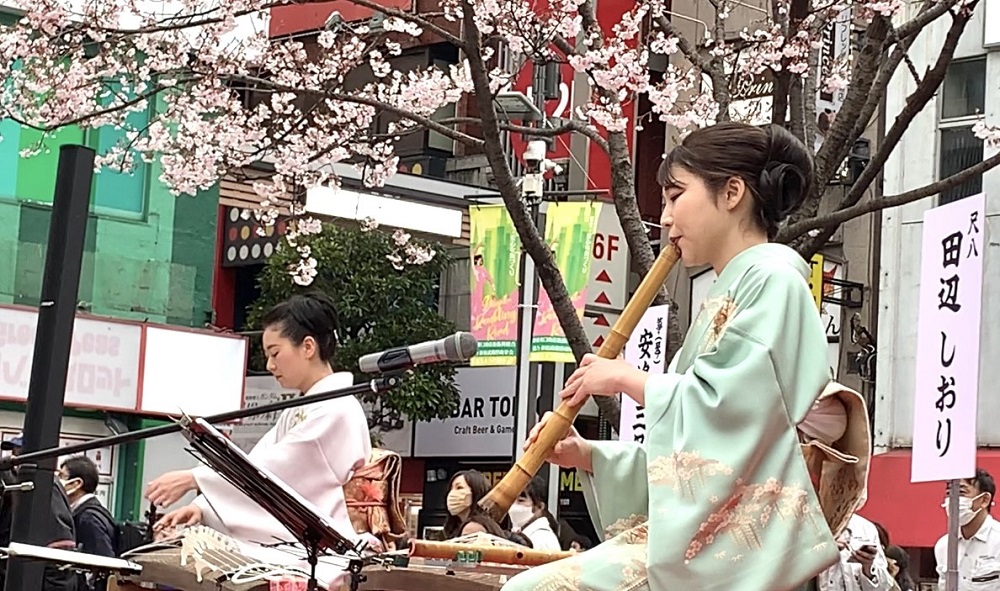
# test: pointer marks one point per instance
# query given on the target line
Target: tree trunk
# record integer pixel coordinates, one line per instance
(531, 239)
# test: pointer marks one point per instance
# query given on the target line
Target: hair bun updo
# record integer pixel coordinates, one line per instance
(776, 166)
(783, 188)
(786, 176)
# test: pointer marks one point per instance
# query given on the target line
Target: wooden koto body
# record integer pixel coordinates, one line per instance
(498, 501)
(161, 569)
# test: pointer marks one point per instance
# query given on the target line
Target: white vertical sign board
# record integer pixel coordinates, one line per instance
(948, 330)
(647, 350)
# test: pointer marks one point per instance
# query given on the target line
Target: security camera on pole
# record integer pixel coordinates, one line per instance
(536, 164)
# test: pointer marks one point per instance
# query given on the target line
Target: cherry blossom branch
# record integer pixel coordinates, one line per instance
(689, 50)
(377, 104)
(844, 214)
(571, 126)
(886, 71)
(622, 172)
(871, 76)
(427, 122)
(531, 239)
(915, 103)
(84, 118)
(414, 18)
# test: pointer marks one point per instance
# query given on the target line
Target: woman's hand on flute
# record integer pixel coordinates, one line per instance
(598, 376)
(572, 451)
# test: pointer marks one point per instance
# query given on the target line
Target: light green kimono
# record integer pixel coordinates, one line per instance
(720, 497)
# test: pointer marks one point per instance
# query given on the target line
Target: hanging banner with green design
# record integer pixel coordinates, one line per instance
(569, 231)
(495, 253)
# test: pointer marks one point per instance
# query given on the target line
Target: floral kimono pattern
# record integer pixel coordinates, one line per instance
(719, 498)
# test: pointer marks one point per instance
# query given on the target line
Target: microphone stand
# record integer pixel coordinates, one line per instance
(376, 385)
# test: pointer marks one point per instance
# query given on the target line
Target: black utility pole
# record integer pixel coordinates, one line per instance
(33, 518)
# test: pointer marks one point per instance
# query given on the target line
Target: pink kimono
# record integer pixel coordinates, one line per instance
(315, 450)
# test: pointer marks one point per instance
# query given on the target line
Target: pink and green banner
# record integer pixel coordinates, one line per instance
(569, 231)
(495, 253)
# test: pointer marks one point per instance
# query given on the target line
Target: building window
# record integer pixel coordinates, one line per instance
(963, 100)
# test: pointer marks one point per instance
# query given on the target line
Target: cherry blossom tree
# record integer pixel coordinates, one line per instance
(93, 63)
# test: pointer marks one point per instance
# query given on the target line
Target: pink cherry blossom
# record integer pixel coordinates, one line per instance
(198, 87)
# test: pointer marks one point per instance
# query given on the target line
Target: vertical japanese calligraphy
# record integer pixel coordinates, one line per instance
(647, 350)
(948, 333)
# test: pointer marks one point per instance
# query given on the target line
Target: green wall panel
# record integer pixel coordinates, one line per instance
(33, 235)
(117, 192)
(36, 176)
(10, 138)
(195, 223)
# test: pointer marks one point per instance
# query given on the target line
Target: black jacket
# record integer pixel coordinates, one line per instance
(95, 528)
(59, 529)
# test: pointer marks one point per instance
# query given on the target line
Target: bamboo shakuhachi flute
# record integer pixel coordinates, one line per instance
(498, 501)
(516, 555)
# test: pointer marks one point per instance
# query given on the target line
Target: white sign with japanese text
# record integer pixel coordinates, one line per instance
(948, 332)
(103, 362)
(647, 350)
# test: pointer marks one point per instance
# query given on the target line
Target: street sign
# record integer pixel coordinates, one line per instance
(597, 325)
(608, 287)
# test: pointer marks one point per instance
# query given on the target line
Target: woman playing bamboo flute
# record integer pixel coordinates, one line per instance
(719, 497)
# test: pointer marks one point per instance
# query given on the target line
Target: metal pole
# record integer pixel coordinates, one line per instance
(951, 576)
(33, 518)
(526, 375)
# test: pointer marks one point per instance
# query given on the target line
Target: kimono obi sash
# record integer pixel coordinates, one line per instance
(372, 496)
(838, 469)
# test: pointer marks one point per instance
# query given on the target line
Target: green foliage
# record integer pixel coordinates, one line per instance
(379, 307)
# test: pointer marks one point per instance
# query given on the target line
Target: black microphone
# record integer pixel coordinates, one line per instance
(459, 347)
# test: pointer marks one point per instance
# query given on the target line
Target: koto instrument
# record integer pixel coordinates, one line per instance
(431, 578)
(498, 501)
(200, 559)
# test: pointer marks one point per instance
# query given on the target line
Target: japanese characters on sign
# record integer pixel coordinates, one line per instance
(947, 380)
(104, 360)
(647, 350)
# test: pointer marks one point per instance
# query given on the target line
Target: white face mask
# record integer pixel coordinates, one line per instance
(965, 512)
(520, 514)
(69, 486)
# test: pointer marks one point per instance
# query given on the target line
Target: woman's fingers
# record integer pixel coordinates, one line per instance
(533, 434)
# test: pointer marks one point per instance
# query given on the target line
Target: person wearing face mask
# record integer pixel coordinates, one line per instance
(528, 516)
(60, 532)
(979, 542)
(464, 492)
(95, 526)
(96, 532)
